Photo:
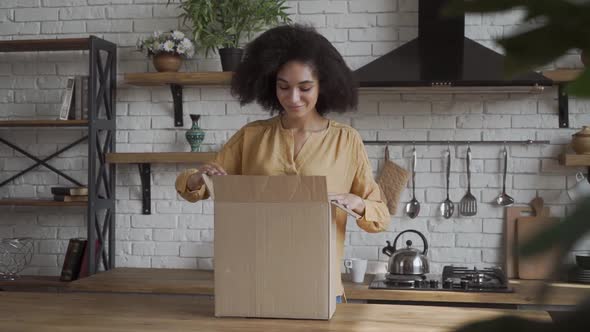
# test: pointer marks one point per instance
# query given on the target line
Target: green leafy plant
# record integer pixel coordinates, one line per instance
(223, 23)
(560, 25)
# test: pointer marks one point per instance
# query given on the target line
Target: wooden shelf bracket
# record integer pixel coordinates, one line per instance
(177, 98)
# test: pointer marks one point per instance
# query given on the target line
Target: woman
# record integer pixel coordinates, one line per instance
(298, 73)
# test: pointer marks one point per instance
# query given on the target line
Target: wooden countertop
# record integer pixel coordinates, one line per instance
(185, 281)
(525, 292)
(26, 311)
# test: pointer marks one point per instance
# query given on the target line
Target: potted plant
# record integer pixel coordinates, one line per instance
(167, 49)
(221, 24)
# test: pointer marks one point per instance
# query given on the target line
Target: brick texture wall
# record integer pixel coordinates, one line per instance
(179, 234)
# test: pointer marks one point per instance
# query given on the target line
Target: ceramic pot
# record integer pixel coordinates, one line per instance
(230, 58)
(581, 141)
(167, 62)
(195, 135)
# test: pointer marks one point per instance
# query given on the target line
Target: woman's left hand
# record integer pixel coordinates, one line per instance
(351, 201)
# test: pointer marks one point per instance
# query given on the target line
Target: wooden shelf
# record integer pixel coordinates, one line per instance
(32, 45)
(148, 280)
(159, 157)
(43, 123)
(574, 159)
(33, 282)
(562, 75)
(144, 161)
(213, 78)
(177, 81)
(37, 202)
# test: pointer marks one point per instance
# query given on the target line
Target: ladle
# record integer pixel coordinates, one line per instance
(504, 199)
(413, 206)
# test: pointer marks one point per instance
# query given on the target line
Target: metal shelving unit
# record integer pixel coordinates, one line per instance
(101, 125)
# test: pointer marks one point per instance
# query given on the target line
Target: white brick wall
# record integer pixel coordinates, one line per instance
(180, 234)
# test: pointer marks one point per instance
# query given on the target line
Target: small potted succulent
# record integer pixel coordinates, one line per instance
(221, 24)
(167, 49)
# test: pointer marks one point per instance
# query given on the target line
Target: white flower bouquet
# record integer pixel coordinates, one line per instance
(173, 42)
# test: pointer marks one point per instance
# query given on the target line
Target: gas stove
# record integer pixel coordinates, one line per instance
(454, 278)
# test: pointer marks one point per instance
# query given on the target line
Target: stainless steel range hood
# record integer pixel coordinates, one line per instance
(443, 60)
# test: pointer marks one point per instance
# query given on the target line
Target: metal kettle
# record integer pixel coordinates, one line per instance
(408, 261)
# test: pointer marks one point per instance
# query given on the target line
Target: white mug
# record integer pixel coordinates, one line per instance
(357, 267)
(580, 189)
(380, 268)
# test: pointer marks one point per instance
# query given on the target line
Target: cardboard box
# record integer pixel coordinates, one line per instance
(275, 250)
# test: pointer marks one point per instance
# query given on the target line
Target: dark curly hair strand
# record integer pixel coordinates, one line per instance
(255, 78)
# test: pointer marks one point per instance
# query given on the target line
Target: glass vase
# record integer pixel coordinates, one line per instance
(195, 135)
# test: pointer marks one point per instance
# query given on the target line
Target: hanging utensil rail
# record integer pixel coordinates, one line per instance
(525, 142)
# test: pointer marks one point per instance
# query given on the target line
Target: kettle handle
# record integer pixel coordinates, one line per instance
(412, 231)
(389, 250)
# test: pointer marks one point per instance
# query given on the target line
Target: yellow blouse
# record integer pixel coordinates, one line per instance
(266, 148)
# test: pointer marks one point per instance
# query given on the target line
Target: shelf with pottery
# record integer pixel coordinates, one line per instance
(572, 159)
(177, 81)
(581, 145)
(144, 161)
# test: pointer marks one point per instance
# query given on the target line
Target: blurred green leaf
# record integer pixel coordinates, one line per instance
(528, 50)
(579, 87)
(505, 324)
(557, 26)
(573, 321)
(564, 234)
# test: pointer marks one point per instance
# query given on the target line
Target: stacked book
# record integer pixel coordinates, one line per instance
(74, 103)
(70, 194)
(76, 260)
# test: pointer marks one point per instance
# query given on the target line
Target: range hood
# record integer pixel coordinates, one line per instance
(442, 58)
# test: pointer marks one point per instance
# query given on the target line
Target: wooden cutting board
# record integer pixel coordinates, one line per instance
(510, 253)
(541, 265)
(535, 208)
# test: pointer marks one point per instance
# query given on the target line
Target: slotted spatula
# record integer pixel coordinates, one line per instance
(468, 204)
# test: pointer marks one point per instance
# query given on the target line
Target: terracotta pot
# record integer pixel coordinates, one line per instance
(581, 141)
(167, 62)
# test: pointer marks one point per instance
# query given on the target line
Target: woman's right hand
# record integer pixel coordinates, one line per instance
(195, 181)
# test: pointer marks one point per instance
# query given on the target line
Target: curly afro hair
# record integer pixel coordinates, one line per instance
(255, 78)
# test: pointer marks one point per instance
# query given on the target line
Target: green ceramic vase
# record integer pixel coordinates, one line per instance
(195, 135)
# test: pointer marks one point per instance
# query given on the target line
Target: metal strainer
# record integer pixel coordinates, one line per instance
(15, 255)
